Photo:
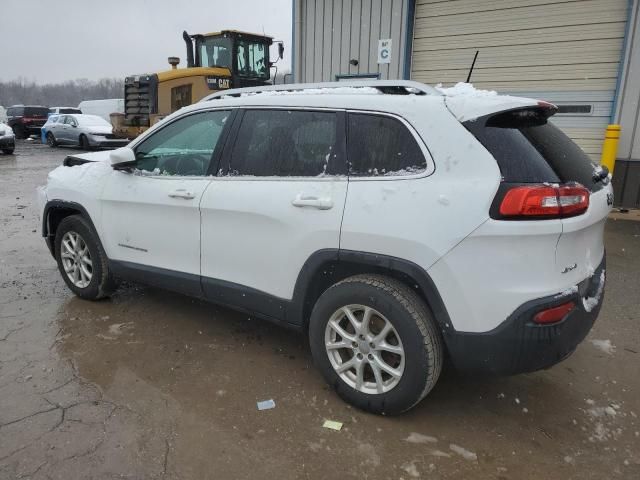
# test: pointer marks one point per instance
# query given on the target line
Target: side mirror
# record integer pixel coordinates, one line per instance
(122, 158)
(280, 49)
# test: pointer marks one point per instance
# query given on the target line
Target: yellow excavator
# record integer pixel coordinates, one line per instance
(215, 61)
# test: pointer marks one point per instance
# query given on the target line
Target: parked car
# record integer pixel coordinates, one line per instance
(7, 139)
(85, 131)
(102, 108)
(388, 222)
(26, 120)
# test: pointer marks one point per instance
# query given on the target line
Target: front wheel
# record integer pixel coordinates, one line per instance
(84, 142)
(51, 140)
(7, 151)
(376, 344)
(81, 259)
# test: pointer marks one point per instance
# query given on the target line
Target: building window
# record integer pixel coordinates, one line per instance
(180, 97)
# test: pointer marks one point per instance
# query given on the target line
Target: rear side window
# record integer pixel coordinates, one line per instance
(382, 146)
(36, 111)
(286, 143)
(530, 149)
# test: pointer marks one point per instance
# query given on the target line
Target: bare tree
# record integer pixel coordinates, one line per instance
(66, 94)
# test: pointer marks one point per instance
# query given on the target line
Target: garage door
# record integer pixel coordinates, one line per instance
(566, 52)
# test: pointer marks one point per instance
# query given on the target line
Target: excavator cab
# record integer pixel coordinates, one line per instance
(215, 61)
(245, 55)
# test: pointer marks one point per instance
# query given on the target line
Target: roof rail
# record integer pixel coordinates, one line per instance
(398, 87)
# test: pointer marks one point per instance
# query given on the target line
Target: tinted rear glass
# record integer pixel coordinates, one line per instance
(286, 143)
(381, 145)
(69, 110)
(36, 112)
(530, 149)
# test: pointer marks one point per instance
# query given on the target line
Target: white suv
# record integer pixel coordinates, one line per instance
(392, 223)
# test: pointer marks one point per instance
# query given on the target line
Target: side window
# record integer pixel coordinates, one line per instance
(286, 143)
(11, 112)
(68, 120)
(382, 146)
(184, 147)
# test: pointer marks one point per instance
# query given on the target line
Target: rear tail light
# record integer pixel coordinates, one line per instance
(554, 315)
(545, 201)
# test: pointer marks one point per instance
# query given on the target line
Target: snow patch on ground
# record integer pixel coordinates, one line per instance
(420, 438)
(463, 452)
(411, 469)
(604, 345)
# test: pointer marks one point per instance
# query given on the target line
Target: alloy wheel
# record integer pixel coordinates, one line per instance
(364, 349)
(76, 259)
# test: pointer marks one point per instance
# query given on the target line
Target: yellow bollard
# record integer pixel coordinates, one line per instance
(610, 147)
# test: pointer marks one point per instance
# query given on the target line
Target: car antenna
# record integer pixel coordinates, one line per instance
(472, 65)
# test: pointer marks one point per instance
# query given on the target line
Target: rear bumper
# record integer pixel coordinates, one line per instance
(518, 345)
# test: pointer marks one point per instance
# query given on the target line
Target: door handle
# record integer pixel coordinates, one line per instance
(182, 193)
(314, 202)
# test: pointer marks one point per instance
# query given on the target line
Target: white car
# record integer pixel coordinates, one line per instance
(388, 221)
(7, 139)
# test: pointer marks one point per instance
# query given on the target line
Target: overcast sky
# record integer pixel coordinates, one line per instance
(56, 40)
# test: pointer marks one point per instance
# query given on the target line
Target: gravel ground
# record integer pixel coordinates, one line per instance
(149, 384)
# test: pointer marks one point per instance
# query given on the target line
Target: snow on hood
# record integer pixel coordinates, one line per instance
(106, 129)
(467, 102)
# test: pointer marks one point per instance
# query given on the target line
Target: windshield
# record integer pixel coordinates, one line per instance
(215, 52)
(36, 112)
(92, 120)
(251, 59)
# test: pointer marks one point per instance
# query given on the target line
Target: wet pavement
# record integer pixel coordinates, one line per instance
(150, 384)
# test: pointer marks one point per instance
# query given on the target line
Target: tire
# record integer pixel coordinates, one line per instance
(101, 283)
(414, 331)
(18, 131)
(7, 151)
(51, 140)
(83, 142)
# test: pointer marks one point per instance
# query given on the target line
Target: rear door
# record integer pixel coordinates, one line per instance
(279, 198)
(151, 216)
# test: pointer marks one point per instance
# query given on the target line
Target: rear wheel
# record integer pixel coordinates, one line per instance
(18, 131)
(7, 151)
(84, 142)
(81, 259)
(51, 140)
(376, 343)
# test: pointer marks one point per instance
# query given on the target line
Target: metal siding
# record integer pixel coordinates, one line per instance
(558, 50)
(374, 36)
(355, 33)
(345, 43)
(332, 32)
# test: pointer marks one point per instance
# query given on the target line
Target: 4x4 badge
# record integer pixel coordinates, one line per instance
(569, 268)
(609, 199)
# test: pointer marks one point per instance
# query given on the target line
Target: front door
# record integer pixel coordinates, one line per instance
(279, 199)
(151, 217)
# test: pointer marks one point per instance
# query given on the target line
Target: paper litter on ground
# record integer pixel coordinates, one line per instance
(332, 425)
(266, 404)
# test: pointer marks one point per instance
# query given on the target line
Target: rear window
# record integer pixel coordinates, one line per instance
(69, 110)
(530, 149)
(36, 112)
(286, 143)
(382, 146)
